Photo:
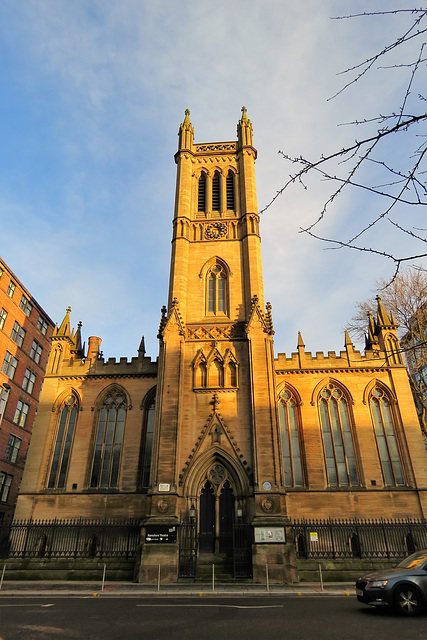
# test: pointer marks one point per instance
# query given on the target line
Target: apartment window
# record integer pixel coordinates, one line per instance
(5, 482)
(148, 446)
(64, 439)
(108, 444)
(216, 293)
(201, 204)
(216, 192)
(42, 325)
(290, 440)
(11, 289)
(229, 187)
(337, 438)
(12, 449)
(21, 413)
(3, 316)
(18, 334)
(36, 351)
(28, 382)
(1, 272)
(9, 365)
(4, 395)
(26, 306)
(386, 438)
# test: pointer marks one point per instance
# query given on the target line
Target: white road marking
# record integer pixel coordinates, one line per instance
(27, 605)
(224, 606)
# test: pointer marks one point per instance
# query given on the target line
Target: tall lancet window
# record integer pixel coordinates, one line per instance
(290, 440)
(386, 438)
(229, 185)
(64, 440)
(150, 407)
(108, 444)
(216, 294)
(216, 192)
(201, 204)
(337, 438)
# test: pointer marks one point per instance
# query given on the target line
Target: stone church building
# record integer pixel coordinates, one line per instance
(218, 430)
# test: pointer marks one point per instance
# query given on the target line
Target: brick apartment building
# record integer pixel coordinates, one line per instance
(25, 336)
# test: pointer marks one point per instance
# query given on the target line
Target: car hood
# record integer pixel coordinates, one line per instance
(387, 574)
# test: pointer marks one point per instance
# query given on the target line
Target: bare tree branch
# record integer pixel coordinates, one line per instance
(405, 186)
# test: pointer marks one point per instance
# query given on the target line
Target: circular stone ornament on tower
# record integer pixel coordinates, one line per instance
(216, 230)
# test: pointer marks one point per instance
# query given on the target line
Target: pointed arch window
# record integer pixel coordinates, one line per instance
(216, 192)
(108, 443)
(337, 438)
(200, 374)
(216, 294)
(229, 188)
(290, 440)
(230, 374)
(55, 358)
(148, 444)
(63, 443)
(393, 350)
(386, 438)
(201, 204)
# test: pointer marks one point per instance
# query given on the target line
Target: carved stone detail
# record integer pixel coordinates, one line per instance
(163, 505)
(214, 332)
(216, 230)
(217, 474)
(268, 505)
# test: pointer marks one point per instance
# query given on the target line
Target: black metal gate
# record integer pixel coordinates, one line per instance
(187, 537)
(242, 550)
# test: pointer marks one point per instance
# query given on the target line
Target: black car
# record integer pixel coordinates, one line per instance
(404, 588)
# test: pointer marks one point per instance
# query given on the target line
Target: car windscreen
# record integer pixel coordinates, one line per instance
(413, 561)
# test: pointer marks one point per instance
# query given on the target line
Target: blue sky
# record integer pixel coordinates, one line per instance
(91, 97)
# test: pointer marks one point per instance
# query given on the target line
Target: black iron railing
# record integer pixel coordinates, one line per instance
(187, 539)
(373, 539)
(77, 538)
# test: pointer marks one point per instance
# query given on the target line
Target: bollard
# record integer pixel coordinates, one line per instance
(213, 577)
(267, 582)
(103, 578)
(158, 579)
(321, 579)
(2, 576)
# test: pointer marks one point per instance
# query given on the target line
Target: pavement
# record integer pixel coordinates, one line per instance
(96, 589)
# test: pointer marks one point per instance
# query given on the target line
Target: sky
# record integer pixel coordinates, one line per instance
(92, 93)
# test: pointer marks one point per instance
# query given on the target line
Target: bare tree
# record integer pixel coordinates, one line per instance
(406, 298)
(365, 164)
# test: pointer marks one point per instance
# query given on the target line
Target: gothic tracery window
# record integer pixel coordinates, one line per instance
(337, 438)
(386, 438)
(108, 443)
(64, 439)
(290, 440)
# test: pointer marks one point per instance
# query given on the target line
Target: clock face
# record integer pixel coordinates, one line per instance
(216, 230)
(266, 486)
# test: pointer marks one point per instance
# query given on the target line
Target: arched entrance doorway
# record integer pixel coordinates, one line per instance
(216, 513)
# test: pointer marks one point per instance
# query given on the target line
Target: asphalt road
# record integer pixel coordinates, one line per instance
(202, 618)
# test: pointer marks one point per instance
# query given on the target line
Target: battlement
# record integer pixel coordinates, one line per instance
(350, 357)
(123, 366)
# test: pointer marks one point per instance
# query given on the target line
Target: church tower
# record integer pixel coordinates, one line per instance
(216, 456)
